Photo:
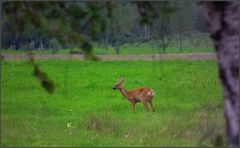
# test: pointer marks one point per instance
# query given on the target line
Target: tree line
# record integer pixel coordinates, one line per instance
(121, 26)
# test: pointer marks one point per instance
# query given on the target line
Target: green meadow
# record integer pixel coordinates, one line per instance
(111, 51)
(84, 110)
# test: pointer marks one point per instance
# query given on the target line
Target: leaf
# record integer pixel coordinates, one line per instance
(36, 72)
(86, 47)
(76, 11)
(109, 7)
(91, 57)
(48, 85)
(1, 58)
(167, 11)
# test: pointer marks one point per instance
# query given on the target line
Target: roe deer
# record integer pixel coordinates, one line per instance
(142, 94)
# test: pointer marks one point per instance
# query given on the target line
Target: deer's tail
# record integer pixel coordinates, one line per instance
(151, 93)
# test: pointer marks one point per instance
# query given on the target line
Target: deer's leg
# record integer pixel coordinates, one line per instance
(133, 105)
(151, 105)
(145, 104)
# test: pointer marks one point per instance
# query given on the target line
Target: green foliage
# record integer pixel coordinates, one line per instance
(54, 44)
(147, 12)
(85, 111)
(41, 76)
(67, 21)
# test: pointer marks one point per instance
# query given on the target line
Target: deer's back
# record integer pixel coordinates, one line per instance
(139, 93)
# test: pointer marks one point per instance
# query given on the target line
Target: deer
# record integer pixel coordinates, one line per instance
(141, 94)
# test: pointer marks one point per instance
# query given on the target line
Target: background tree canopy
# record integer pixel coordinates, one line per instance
(54, 25)
(71, 23)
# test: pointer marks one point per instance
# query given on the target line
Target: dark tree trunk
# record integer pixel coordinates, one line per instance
(223, 23)
(117, 49)
(106, 44)
(180, 25)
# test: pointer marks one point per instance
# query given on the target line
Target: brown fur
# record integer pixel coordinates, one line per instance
(142, 94)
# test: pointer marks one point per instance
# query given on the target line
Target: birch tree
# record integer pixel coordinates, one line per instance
(223, 23)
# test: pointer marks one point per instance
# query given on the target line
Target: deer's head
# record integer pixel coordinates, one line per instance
(119, 85)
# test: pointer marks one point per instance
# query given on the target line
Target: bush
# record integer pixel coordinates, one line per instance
(54, 44)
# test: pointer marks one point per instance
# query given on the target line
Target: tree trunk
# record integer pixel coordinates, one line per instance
(146, 32)
(117, 49)
(223, 23)
(106, 44)
(180, 25)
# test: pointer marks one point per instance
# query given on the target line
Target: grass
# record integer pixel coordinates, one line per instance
(149, 50)
(85, 111)
(111, 51)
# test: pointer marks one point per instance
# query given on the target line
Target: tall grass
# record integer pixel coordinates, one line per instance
(85, 111)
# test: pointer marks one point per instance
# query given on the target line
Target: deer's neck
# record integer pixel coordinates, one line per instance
(124, 92)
